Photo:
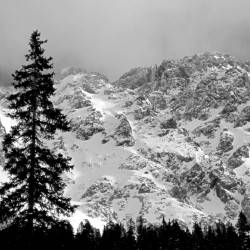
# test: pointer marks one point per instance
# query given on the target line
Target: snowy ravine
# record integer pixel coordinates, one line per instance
(175, 145)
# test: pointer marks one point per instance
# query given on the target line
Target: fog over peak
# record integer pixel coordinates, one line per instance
(113, 36)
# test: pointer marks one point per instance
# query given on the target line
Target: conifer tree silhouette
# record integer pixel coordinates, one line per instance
(243, 231)
(33, 195)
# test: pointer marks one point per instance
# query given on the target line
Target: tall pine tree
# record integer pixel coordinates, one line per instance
(33, 196)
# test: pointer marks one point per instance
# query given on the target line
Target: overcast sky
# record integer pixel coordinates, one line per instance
(112, 36)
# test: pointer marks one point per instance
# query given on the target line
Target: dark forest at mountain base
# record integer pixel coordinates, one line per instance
(132, 236)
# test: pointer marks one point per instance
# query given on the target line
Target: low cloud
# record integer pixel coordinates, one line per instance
(112, 36)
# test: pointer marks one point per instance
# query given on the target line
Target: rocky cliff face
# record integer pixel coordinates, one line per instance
(171, 140)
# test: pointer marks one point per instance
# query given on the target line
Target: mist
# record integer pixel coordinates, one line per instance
(112, 36)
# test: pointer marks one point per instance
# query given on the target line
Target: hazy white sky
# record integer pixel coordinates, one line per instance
(111, 36)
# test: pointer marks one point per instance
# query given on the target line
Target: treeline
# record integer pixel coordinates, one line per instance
(133, 236)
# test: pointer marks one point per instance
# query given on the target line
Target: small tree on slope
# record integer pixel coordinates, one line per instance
(33, 196)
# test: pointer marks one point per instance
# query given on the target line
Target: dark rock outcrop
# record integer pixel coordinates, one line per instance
(123, 133)
(226, 142)
(237, 157)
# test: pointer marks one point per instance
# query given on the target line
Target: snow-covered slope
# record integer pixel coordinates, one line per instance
(172, 140)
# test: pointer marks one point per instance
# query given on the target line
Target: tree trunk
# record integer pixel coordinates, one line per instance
(31, 180)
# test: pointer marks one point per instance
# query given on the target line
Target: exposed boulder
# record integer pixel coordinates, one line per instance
(226, 185)
(88, 127)
(128, 104)
(134, 162)
(147, 186)
(230, 107)
(179, 193)
(223, 194)
(226, 142)
(123, 133)
(196, 179)
(237, 157)
(169, 124)
(230, 182)
(231, 118)
(103, 186)
(244, 117)
(141, 99)
(144, 189)
(203, 115)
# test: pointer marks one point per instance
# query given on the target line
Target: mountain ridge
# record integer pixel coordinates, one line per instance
(169, 140)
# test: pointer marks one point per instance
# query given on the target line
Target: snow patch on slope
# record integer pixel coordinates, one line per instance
(6, 121)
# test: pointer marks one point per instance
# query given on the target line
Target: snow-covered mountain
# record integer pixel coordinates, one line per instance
(171, 140)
